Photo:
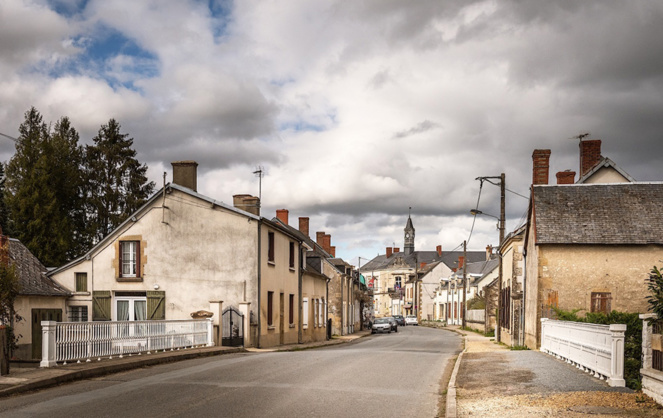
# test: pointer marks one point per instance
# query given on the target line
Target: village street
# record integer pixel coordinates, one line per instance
(395, 374)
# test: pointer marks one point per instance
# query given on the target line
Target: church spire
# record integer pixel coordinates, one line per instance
(409, 235)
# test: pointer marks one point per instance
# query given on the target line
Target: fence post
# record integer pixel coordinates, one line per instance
(244, 309)
(617, 361)
(647, 332)
(210, 334)
(544, 347)
(48, 344)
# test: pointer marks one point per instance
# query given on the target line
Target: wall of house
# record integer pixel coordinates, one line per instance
(429, 283)
(606, 175)
(512, 278)
(282, 280)
(198, 254)
(24, 306)
(314, 290)
(532, 301)
(573, 272)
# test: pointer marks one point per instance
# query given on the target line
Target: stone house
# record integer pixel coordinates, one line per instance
(589, 246)
(183, 252)
(39, 298)
(512, 288)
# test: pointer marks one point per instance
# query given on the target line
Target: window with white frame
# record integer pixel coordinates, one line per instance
(129, 308)
(323, 309)
(305, 313)
(129, 259)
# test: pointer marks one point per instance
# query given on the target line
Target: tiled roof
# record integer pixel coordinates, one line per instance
(32, 273)
(381, 262)
(624, 213)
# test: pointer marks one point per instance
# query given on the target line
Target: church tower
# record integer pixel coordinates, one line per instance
(409, 236)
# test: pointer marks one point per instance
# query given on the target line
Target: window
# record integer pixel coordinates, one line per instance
(270, 247)
(601, 302)
(316, 311)
(398, 282)
(305, 313)
(323, 309)
(291, 312)
(131, 309)
(270, 308)
(129, 258)
(292, 255)
(81, 282)
(78, 314)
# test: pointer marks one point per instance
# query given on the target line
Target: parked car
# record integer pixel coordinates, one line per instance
(394, 324)
(400, 320)
(411, 320)
(381, 325)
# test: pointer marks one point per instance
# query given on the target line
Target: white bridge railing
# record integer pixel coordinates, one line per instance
(71, 341)
(594, 348)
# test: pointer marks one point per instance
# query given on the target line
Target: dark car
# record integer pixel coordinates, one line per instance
(394, 324)
(400, 320)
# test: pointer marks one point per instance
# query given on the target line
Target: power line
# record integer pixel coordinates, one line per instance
(10, 137)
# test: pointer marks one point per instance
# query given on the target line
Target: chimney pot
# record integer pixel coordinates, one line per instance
(541, 166)
(185, 173)
(282, 214)
(590, 155)
(566, 177)
(303, 225)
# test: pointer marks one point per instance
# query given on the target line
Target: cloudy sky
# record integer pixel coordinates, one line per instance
(356, 110)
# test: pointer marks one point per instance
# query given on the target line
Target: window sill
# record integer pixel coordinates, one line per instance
(271, 263)
(292, 269)
(271, 327)
(292, 325)
(129, 279)
(304, 326)
(81, 294)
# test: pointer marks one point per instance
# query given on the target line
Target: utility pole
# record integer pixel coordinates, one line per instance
(464, 282)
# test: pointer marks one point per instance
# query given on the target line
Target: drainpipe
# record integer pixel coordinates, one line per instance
(522, 310)
(342, 305)
(259, 284)
(300, 301)
(327, 324)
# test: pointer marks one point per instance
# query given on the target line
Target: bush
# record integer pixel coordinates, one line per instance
(477, 302)
(632, 338)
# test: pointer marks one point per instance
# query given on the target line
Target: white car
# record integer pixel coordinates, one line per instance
(411, 320)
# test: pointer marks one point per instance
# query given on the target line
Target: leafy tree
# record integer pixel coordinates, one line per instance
(9, 288)
(116, 181)
(4, 211)
(655, 287)
(44, 189)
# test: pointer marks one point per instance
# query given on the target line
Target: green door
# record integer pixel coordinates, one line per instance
(39, 315)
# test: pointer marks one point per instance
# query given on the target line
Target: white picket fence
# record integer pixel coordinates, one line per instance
(596, 349)
(75, 341)
(476, 316)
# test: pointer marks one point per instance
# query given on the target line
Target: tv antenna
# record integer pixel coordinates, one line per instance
(260, 172)
(580, 137)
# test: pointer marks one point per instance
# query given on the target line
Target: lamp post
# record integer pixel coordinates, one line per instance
(501, 178)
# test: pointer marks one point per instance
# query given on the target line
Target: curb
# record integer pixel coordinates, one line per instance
(109, 369)
(451, 389)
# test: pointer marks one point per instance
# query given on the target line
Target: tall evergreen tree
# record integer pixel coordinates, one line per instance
(116, 181)
(44, 190)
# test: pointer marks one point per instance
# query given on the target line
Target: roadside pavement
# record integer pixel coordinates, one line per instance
(28, 377)
(490, 380)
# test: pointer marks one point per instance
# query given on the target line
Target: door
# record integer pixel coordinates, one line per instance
(39, 315)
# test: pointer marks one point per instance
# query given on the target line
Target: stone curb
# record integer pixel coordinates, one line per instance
(110, 368)
(451, 389)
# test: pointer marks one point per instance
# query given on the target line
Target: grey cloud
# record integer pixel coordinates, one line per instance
(419, 128)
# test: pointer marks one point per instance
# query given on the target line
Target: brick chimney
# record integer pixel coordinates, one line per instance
(282, 214)
(461, 260)
(566, 177)
(332, 251)
(326, 243)
(439, 250)
(389, 249)
(303, 225)
(489, 252)
(541, 166)
(247, 203)
(319, 239)
(422, 265)
(590, 155)
(185, 173)
(397, 250)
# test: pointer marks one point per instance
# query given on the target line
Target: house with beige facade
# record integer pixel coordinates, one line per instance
(588, 246)
(183, 252)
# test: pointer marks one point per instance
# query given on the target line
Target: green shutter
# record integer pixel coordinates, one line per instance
(101, 305)
(156, 305)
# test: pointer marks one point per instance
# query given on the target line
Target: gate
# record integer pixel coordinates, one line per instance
(233, 328)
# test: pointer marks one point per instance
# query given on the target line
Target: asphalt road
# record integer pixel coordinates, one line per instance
(388, 375)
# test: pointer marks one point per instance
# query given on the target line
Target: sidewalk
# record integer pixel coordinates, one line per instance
(490, 380)
(26, 378)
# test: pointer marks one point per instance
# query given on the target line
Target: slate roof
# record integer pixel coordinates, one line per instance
(450, 258)
(619, 213)
(605, 162)
(32, 273)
